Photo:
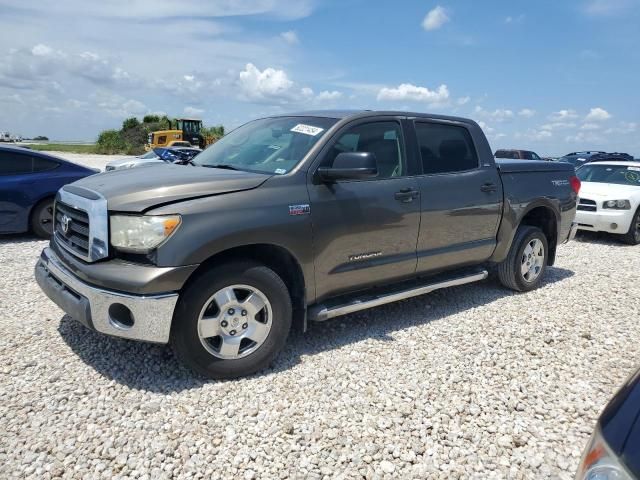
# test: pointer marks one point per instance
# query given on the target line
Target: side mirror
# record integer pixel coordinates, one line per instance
(350, 166)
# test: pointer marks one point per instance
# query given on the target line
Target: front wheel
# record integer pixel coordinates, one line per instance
(632, 237)
(526, 263)
(232, 321)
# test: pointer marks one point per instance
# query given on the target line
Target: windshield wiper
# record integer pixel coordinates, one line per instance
(221, 165)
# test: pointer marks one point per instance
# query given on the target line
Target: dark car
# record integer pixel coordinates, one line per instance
(300, 217)
(29, 181)
(578, 158)
(614, 448)
(517, 154)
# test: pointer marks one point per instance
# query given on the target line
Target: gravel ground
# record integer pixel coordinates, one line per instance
(89, 159)
(473, 381)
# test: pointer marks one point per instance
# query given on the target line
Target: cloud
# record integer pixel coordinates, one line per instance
(329, 95)
(193, 111)
(410, 92)
(597, 114)
(436, 18)
(557, 126)
(498, 115)
(527, 113)
(486, 128)
(290, 37)
(463, 100)
(519, 19)
(590, 126)
(266, 84)
(563, 115)
(118, 106)
(608, 7)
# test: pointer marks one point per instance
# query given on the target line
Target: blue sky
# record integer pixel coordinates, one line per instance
(547, 75)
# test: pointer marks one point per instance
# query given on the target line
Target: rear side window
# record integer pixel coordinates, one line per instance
(445, 148)
(18, 163)
(43, 164)
(15, 163)
(506, 154)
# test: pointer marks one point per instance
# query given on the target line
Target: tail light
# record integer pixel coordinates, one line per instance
(575, 184)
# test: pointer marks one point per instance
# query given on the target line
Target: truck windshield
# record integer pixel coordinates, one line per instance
(270, 145)
(618, 174)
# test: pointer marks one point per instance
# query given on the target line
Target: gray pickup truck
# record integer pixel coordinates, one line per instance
(298, 218)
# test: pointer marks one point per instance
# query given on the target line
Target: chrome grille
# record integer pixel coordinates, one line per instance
(81, 223)
(587, 205)
(76, 238)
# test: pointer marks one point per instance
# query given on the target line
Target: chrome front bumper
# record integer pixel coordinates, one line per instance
(148, 316)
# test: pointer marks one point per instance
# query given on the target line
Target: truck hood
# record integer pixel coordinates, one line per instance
(609, 191)
(138, 189)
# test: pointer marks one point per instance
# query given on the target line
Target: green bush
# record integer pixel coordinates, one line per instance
(131, 122)
(151, 119)
(110, 142)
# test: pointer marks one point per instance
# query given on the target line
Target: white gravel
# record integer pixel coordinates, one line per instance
(89, 159)
(473, 381)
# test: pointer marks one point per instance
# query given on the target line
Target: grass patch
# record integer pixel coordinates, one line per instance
(61, 147)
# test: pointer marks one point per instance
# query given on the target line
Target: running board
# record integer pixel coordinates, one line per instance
(320, 313)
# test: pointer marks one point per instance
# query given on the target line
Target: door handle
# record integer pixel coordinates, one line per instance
(488, 187)
(406, 195)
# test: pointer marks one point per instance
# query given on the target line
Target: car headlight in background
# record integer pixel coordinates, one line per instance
(599, 462)
(141, 233)
(617, 204)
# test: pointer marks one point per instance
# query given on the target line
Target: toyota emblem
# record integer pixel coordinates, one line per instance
(66, 223)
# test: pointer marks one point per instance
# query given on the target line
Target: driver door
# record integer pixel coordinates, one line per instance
(365, 231)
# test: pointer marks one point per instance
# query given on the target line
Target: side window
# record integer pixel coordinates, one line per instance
(445, 148)
(383, 139)
(43, 164)
(534, 156)
(15, 163)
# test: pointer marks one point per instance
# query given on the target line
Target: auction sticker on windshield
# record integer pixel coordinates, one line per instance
(307, 129)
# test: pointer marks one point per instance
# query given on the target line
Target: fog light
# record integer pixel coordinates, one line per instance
(120, 316)
(614, 226)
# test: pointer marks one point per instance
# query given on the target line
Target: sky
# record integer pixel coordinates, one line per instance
(551, 76)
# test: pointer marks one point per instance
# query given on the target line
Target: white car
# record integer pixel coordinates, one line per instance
(610, 199)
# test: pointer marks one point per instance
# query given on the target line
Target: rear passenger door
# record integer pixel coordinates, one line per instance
(461, 199)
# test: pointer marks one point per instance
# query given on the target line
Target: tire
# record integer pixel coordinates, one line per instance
(234, 321)
(632, 237)
(510, 271)
(41, 222)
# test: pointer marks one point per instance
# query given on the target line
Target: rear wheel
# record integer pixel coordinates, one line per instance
(632, 237)
(42, 219)
(232, 321)
(526, 263)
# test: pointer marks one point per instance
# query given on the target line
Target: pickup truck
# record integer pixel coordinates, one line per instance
(297, 218)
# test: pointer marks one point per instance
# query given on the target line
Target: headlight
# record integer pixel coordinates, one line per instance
(617, 204)
(141, 233)
(599, 462)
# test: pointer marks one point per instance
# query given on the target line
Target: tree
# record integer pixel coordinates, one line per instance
(151, 119)
(131, 122)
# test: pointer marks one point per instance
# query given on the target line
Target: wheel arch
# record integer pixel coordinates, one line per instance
(275, 257)
(41, 199)
(541, 213)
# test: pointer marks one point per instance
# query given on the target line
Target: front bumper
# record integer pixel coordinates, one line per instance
(137, 317)
(612, 221)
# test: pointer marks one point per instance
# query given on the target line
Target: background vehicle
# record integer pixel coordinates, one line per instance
(613, 452)
(580, 158)
(517, 154)
(186, 130)
(29, 181)
(298, 217)
(177, 155)
(610, 199)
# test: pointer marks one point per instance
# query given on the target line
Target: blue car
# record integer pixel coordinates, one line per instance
(29, 181)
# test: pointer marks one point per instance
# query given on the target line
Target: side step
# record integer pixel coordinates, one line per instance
(320, 313)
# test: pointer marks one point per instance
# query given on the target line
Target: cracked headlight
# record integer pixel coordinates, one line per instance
(141, 233)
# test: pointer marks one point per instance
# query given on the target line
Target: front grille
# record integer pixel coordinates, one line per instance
(76, 237)
(587, 205)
